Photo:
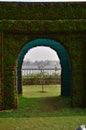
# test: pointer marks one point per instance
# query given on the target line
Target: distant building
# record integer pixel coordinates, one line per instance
(33, 67)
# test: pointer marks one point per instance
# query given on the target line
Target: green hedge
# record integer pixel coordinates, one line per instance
(10, 94)
(36, 26)
(40, 11)
(73, 42)
(23, 22)
(33, 79)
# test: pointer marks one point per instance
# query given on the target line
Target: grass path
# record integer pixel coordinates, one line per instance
(42, 111)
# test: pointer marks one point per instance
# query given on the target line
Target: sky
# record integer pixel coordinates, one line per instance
(43, 0)
(41, 53)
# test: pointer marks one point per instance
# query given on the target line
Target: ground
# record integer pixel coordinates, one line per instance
(42, 111)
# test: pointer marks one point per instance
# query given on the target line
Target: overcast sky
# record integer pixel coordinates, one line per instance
(42, 0)
(41, 53)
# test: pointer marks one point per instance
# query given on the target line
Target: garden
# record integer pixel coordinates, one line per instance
(42, 111)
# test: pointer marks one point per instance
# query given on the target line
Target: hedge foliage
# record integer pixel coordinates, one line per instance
(12, 46)
(41, 11)
(36, 26)
(34, 79)
(62, 22)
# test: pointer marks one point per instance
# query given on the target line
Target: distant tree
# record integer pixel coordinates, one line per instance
(56, 68)
(41, 68)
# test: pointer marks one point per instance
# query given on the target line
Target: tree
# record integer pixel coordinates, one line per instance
(41, 68)
(56, 68)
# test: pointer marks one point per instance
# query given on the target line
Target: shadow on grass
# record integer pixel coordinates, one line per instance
(42, 107)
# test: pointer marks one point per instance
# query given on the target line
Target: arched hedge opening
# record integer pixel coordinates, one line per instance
(64, 59)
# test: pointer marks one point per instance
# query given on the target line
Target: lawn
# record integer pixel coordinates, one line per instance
(42, 111)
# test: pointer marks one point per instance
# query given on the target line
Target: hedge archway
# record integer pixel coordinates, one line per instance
(64, 59)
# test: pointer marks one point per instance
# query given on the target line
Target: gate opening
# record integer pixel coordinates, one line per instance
(41, 68)
(64, 60)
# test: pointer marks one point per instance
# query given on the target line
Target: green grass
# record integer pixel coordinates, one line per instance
(42, 111)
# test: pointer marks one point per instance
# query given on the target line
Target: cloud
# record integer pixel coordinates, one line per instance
(43, 0)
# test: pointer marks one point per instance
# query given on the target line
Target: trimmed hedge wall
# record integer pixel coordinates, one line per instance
(42, 11)
(73, 43)
(38, 81)
(34, 26)
(62, 22)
